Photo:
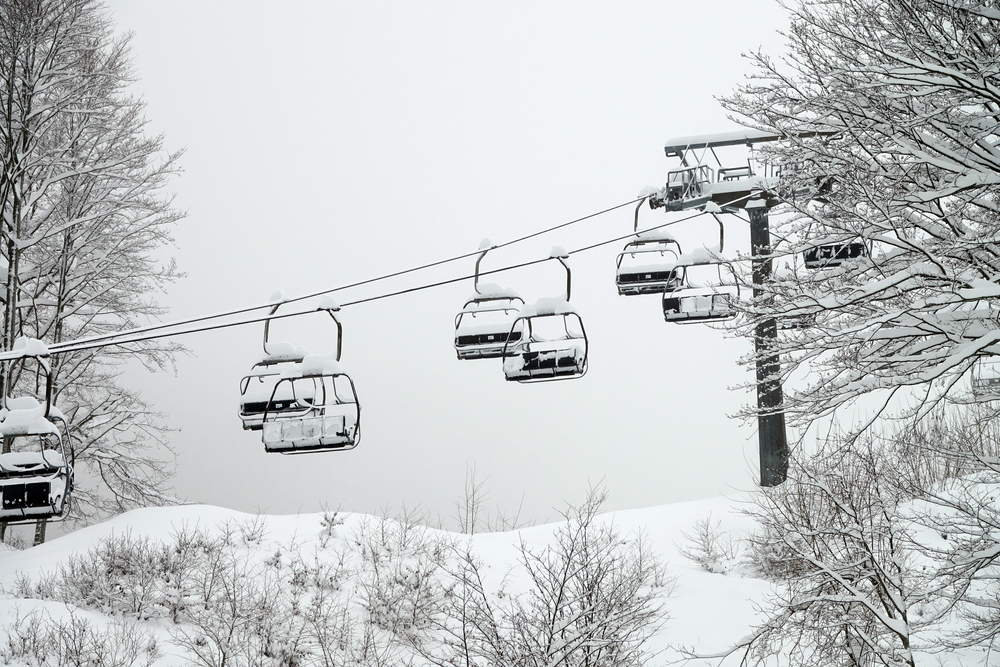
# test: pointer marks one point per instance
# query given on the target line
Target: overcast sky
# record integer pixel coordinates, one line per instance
(328, 142)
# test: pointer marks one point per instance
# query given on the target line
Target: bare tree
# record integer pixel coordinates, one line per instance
(851, 591)
(890, 112)
(709, 547)
(471, 513)
(959, 506)
(80, 191)
(592, 598)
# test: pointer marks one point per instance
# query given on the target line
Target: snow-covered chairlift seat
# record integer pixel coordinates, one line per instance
(36, 480)
(690, 303)
(647, 265)
(483, 326)
(986, 379)
(536, 358)
(833, 254)
(328, 420)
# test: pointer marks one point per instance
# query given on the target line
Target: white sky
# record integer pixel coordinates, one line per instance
(328, 142)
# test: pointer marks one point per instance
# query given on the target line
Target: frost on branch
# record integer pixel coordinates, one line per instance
(593, 597)
(890, 112)
(83, 213)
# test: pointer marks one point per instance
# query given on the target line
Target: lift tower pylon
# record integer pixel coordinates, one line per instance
(695, 186)
(772, 442)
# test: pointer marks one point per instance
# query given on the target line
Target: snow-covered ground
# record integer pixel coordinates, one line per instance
(706, 610)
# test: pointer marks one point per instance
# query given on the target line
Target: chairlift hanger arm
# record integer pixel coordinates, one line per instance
(569, 276)
(475, 283)
(267, 323)
(722, 232)
(642, 201)
(340, 331)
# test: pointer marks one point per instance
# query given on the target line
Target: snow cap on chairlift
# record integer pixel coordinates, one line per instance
(485, 244)
(558, 252)
(658, 234)
(278, 296)
(280, 351)
(27, 403)
(493, 291)
(648, 191)
(27, 461)
(315, 365)
(702, 255)
(327, 302)
(547, 305)
(30, 347)
(712, 207)
(25, 416)
(21, 403)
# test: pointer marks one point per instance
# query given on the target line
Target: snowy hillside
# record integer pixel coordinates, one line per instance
(373, 573)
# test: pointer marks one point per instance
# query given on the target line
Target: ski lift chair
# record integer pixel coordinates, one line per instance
(36, 475)
(552, 342)
(986, 379)
(833, 254)
(483, 326)
(691, 303)
(646, 264)
(313, 404)
(325, 414)
(257, 386)
(792, 322)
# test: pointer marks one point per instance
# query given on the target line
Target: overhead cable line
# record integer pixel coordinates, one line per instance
(248, 309)
(135, 335)
(127, 337)
(130, 337)
(515, 266)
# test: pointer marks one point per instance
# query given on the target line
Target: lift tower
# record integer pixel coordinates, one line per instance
(695, 185)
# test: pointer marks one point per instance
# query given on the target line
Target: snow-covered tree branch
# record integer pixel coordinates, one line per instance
(900, 103)
(591, 598)
(83, 213)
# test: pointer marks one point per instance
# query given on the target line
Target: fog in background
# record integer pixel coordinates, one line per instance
(329, 142)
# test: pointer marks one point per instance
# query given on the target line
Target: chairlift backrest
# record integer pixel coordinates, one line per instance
(650, 267)
(833, 254)
(483, 324)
